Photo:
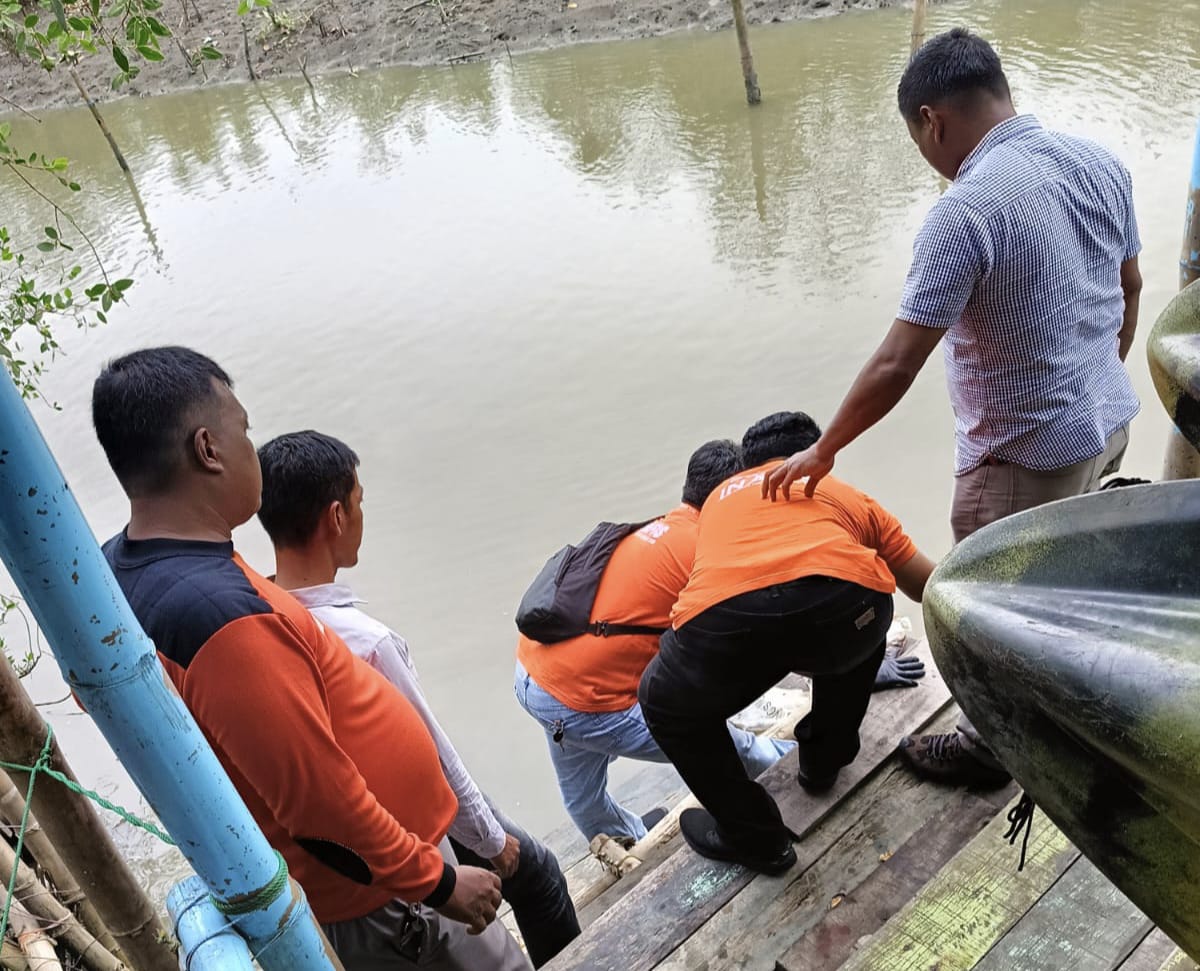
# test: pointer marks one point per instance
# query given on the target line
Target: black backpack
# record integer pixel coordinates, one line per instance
(558, 604)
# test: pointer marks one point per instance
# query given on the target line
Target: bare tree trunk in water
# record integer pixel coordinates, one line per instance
(918, 27)
(112, 142)
(753, 94)
(69, 820)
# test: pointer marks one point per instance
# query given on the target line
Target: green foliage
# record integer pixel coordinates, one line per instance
(41, 284)
(36, 293)
(25, 661)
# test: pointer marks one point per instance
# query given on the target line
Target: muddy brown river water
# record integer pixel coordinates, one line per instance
(525, 291)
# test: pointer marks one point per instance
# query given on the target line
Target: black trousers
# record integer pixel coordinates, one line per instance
(712, 667)
(537, 892)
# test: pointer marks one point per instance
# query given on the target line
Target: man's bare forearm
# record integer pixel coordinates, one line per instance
(1131, 286)
(883, 381)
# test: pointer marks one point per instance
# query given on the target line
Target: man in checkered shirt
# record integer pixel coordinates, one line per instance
(1027, 270)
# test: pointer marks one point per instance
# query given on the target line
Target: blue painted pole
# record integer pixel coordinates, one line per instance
(111, 665)
(206, 940)
(1189, 263)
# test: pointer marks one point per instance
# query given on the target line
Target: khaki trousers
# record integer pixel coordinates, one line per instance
(992, 492)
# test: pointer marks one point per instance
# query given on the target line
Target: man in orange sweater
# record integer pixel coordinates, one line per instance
(334, 763)
(803, 587)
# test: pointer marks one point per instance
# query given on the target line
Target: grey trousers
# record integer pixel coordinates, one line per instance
(992, 492)
(400, 935)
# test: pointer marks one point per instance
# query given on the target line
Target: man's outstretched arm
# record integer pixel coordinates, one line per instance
(880, 385)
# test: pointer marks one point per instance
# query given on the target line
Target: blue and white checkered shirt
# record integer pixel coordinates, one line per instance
(1020, 262)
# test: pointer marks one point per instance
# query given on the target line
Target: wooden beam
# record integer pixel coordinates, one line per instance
(684, 892)
(972, 902)
(896, 880)
(1154, 949)
(1083, 923)
(763, 922)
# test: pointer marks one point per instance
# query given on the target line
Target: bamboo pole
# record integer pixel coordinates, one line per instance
(72, 825)
(35, 943)
(918, 25)
(63, 926)
(112, 142)
(11, 958)
(12, 806)
(753, 92)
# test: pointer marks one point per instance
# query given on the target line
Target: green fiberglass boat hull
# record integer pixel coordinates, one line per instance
(1070, 634)
(1173, 350)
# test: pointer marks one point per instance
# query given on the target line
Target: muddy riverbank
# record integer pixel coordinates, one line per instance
(347, 36)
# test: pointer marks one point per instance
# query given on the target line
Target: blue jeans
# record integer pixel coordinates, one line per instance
(583, 743)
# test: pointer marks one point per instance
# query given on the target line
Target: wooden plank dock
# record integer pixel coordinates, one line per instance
(892, 874)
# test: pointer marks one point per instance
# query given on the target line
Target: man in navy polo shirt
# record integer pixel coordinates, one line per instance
(1027, 268)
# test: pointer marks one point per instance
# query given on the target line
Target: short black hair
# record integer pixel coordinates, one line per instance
(710, 465)
(951, 67)
(302, 473)
(142, 404)
(778, 436)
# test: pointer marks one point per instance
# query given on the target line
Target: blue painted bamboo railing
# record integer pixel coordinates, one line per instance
(111, 665)
(206, 939)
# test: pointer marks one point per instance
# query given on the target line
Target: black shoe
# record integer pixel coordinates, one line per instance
(817, 784)
(653, 817)
(700, 832)
(942, 757)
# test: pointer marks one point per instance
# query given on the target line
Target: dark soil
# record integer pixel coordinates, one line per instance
(331, 36)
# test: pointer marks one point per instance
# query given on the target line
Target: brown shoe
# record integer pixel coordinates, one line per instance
(944, 759)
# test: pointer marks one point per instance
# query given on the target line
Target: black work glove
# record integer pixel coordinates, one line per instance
(898, 672)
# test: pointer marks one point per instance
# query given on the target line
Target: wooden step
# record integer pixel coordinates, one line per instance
(663, 910)
(970, 904)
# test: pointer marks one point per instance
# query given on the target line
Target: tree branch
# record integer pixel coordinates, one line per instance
(15, 169)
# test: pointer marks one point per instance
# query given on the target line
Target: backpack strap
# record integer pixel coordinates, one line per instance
(602, 628)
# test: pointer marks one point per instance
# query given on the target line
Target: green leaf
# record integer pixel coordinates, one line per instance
(150, 53)
(60, 14)
(74, 186)
(151, 5)
(211, 53)
(79, 23)
(95, 7)
(59, 165)
(243, 7)
(51, 232)
(262, 3)
(157, 27)
(106, 301)
(56, 30)
(122, 285)
(100, 317)
(31, 21)
(45, 246)
(121, 59)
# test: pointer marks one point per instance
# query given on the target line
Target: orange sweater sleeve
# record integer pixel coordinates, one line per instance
(258, 692)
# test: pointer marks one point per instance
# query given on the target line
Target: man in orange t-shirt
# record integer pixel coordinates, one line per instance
(583, 691)
(803, 586)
